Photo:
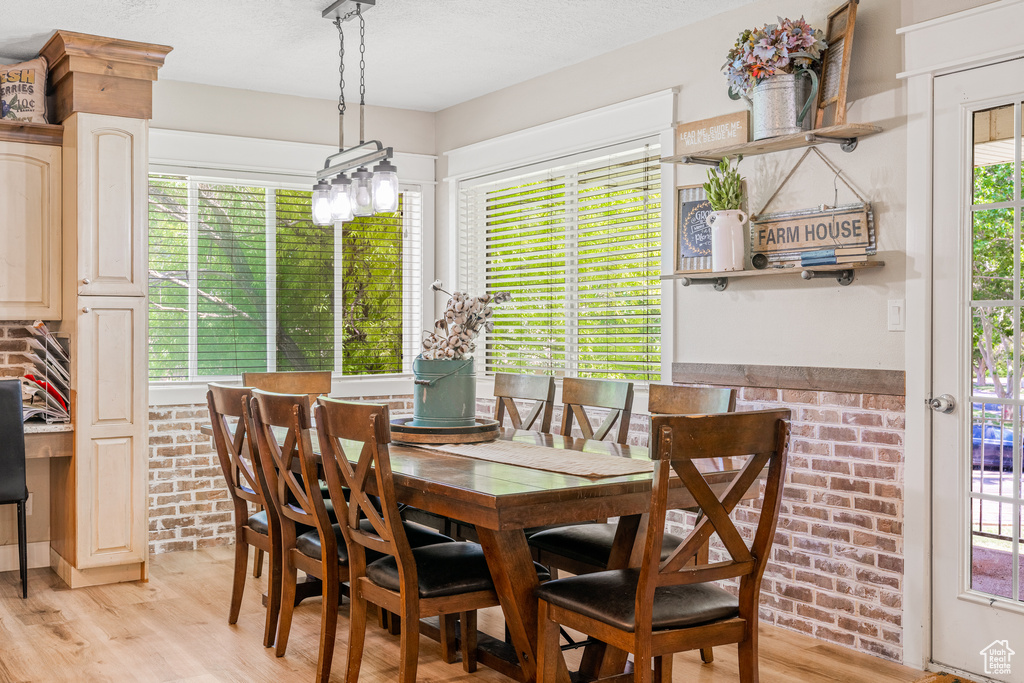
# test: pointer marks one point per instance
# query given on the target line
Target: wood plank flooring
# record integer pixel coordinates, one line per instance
(174, 628)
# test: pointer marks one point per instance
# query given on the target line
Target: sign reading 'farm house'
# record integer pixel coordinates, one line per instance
(720, 131)
(812, 230)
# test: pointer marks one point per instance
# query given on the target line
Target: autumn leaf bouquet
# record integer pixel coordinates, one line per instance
(783, 48)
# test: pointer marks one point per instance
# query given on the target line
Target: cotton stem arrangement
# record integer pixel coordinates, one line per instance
(465, 316)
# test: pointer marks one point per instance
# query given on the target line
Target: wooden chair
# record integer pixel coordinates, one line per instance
(312, 384)
(666, 606)
(509, 388)
(442, 579)
(13, 488)
(579, 394)
(585, 548)
(239, 463)
(673, 399)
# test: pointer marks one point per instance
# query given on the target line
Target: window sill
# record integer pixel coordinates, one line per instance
(188, 393)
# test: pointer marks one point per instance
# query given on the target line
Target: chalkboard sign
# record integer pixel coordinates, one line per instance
(693, 236)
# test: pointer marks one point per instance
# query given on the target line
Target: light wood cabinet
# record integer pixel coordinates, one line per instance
(30, 239)
(105, 206)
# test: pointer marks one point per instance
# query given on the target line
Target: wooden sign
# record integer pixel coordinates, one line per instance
(793, 232)
(720, 131)
(693, 236)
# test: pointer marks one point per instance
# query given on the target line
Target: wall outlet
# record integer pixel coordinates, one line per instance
(28, 506)
(897, 315)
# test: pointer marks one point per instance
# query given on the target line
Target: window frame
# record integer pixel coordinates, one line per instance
(628, 121)
(231, 159)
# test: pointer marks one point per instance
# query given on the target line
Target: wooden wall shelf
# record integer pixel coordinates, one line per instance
(845, 136)
(843, 273)
(33, 133)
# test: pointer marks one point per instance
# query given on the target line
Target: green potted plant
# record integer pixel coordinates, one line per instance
(724, 189)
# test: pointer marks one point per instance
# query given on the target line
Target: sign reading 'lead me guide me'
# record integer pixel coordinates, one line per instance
(800, 231)
(720, 131)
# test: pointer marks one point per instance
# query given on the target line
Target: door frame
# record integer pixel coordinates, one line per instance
(995, 25)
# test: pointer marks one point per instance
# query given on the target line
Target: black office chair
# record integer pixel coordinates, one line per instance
(12, 465)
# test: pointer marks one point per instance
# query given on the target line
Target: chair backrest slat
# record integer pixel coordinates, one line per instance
(537, 388)
(579, 394)
(674, 399)
(341, 426)
(312, 384)
(235, 451)
(278, 421)
(676, 442)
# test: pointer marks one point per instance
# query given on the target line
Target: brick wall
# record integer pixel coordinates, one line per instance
(837, 562)
(14, 360)
(188, 499)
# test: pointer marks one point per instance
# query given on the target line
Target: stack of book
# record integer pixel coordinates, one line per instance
(834, 255)
(45, 390)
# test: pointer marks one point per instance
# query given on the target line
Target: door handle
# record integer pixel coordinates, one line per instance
(945, 404)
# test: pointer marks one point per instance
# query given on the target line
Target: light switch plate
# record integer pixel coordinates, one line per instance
(897, 315)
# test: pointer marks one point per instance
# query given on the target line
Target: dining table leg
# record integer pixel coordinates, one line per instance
(600, 660)
(515, 580)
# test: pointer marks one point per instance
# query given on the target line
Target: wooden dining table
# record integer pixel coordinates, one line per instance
(501, 501)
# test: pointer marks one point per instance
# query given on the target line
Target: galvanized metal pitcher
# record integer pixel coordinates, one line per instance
(781, 105)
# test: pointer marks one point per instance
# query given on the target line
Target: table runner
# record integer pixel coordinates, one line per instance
(581, 464)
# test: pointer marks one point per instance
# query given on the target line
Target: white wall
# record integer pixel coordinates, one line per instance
(779, 320)
(247, 113)
(916, 11)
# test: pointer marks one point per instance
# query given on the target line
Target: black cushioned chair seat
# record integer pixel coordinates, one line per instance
(418, 535)
(447, 569)
(588, 543)
(610, 597)
(258, 523)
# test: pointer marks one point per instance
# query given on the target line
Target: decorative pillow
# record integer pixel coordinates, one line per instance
(23, 91)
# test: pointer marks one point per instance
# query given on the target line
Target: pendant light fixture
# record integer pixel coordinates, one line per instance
(336, 196)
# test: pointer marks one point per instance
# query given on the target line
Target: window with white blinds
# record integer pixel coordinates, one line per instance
(578, 245)
(242, 280)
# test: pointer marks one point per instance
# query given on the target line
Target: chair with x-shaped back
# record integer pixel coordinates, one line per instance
(670, 605)
(240, 465)
(509, 388)
(579, 394)
(384, 567)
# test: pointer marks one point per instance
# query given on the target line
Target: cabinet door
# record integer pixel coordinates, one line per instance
(106, 159)
(111, 449)
(30, 177)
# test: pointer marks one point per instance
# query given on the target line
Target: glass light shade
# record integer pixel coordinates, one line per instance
(341, 199)
(322, 203)
(385, 187)
(362, 192)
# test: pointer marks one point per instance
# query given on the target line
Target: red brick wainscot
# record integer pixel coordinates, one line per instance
(188, 498)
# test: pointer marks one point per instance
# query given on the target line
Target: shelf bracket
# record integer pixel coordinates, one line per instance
(719, 283)
(845, 144)
(843, 277)
(699, 160)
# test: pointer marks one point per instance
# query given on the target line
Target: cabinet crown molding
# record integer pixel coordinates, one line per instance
(98, 75)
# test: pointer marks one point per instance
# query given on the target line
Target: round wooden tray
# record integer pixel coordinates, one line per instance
(402, 431)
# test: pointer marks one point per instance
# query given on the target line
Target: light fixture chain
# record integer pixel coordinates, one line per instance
(341, 67)
(362, 74)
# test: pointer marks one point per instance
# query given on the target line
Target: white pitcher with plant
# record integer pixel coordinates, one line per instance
(724, 189)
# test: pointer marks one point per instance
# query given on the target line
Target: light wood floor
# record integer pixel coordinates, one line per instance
(175, 628)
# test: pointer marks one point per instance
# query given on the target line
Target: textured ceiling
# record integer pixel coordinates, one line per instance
(420, 54)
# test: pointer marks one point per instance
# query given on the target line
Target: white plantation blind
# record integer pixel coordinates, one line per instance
(242, 280)
(578, 245)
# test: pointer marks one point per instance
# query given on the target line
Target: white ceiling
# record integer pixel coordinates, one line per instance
(421, 54)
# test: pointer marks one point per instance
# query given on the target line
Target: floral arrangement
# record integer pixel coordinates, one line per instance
(464, 317)
(782, 48)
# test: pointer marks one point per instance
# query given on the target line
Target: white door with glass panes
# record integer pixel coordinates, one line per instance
(977, 581)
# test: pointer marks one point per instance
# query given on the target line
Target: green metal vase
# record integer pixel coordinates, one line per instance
(444, 393)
